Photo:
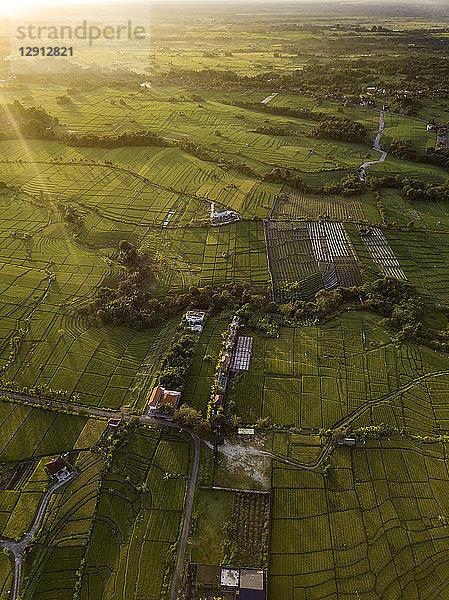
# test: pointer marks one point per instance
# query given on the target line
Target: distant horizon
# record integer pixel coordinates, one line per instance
(22, 7)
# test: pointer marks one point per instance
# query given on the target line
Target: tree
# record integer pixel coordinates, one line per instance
(187, 415)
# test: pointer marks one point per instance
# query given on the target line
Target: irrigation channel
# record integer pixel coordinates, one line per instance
(17, 548)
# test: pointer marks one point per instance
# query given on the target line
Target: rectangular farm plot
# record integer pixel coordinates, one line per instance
(291, 255)
(300, 205)
(334, 253)
(281, 400)
(382, 253)
(242, 354)
(317, 254)
(371, 526)
(424, 258)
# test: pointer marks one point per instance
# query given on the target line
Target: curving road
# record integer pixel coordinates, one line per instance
(383, 155)
(18, 548)
(145, 419)
(351, 417)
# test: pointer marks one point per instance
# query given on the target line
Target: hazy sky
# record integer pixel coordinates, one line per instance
(12, 7)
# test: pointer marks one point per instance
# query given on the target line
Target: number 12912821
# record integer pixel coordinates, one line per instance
(46, 51)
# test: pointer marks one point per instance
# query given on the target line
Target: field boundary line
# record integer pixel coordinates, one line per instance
(351, 417)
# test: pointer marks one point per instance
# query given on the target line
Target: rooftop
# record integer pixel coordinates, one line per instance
(252, 579)
(229, 578)
(170, 397)
(56, 465)
(155, 396)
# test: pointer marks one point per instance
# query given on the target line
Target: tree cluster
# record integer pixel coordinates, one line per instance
(287, 177)
(132, 305)
(30, 122)
(177, 362)
(349, 185)
(341, 129)
(397, 301)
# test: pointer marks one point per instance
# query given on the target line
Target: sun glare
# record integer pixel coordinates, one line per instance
(22, 7)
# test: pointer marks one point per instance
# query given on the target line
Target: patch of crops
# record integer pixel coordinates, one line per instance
(311, 377)
(382, 253)
(316, 254)
(375, 523)
(247, 532)
(298, 205)
(32, 432)
(65, 533)
(133, 544)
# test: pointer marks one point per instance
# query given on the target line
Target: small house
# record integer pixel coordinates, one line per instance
(195, 316)
(224, 216)
(229, 578)
(160, 396)
(252, 584)
(246, 431)
(170, 397)
(218, 400)
(347, 441)
(58, 469)
(195, 320)
(155, 397)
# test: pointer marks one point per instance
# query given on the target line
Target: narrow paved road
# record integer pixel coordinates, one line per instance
(351, 417)
(146, 419)
(383, 155)
(18, 548)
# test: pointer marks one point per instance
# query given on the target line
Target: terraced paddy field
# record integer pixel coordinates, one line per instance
(421, 256)
(30, 433)
(216, 123)
(210, 256)
(143, 187)
(312, 377)
(5, 574)
(52, 570)
(19, 506)
(137, 521)
(44, 276)
(373, 524)
(298, 205)
(317, 255)
(371, 520)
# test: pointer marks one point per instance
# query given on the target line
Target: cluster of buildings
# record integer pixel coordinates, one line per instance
(222, 216)
(160, 396)
(195, 320)
(234, 584)
(225, 368)
(58, 469)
